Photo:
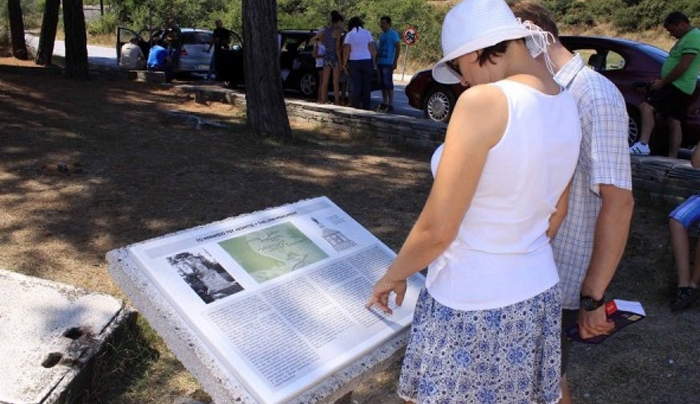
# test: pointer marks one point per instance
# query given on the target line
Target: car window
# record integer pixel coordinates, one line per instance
(290, 45)
(196, 38)
(236, 43)
(594, 59)
(306, 46)
(614, 61)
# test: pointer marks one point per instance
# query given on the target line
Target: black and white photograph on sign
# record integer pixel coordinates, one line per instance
(274, 251)
(206, 277)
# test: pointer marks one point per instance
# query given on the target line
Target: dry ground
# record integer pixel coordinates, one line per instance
(138, 172)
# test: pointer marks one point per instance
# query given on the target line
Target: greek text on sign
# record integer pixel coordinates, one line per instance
(410, 35)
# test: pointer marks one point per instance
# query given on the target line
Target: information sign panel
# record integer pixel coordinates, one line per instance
(278, 295)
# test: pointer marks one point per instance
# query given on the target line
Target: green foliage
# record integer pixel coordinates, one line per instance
(105, 25)
(647, 14)
(603, 10)
(579, 14)
(559, 8)
(426, 16)
(140, 14)
(31, 12)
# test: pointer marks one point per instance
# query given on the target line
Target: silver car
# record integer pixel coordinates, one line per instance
(194, 57)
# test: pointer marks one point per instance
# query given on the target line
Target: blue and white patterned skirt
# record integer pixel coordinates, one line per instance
(498, 356)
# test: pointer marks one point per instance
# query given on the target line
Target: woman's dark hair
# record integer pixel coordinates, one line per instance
(492, 52)
(355, 22)
(336, 16)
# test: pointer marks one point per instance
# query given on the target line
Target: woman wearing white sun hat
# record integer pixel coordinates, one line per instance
(486, 328)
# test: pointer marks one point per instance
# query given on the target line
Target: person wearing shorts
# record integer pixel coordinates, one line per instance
(680, 221)
(387, 57)
(670, 94)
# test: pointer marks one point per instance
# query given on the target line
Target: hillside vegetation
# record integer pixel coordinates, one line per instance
(632, 19)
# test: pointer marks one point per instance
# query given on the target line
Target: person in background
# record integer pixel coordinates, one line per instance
(173, 43)
(157, 56)
(486, 328)
(592, 238)
(220, 39)
(387, 60)
(345, 81)
(670, 94)
(131, 55)
(360, 60)
(319, 53)
(679, 222)
(330, 38)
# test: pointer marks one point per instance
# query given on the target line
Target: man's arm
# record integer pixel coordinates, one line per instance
(611, 231)
(677, 71)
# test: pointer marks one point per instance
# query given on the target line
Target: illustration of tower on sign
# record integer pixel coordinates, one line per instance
(335, 238)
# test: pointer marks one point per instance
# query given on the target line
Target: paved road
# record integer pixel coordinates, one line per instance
(107, 57)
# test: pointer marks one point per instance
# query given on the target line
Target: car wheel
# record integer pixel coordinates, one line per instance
(439, 103)
(308, 83)
(634, 125)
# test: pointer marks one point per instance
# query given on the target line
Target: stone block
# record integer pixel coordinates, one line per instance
(50, 334)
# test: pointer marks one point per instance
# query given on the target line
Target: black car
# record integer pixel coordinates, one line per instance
(297, 64)
(630, 65)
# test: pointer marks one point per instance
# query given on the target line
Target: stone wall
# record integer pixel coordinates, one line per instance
(659, 181)
(396, 129)
(662, 181)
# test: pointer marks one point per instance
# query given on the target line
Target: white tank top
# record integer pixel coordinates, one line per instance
(501, 254)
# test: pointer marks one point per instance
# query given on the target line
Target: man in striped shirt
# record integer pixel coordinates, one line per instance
(592, 238)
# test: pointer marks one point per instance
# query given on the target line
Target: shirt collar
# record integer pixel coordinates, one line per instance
(568, 72)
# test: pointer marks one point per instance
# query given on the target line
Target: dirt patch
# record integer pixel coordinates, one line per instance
(92, 166)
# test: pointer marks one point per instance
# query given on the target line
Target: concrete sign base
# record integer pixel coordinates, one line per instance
(49, 334)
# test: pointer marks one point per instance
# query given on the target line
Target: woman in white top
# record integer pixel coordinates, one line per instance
(487, 327)
(360, 59)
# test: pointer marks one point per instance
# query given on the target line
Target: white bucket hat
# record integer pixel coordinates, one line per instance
(477, 24)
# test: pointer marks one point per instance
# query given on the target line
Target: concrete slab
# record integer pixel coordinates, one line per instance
(49, 333)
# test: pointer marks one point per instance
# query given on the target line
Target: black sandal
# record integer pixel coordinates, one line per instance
(685, 296)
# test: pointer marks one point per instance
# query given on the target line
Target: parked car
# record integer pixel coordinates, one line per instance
(297, 64)
(193, 55)
(630, 65)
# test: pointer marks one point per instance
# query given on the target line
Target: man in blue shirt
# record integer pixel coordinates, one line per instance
(157, 57)
(387, 56)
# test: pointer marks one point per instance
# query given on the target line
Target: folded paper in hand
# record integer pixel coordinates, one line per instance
(621, 312)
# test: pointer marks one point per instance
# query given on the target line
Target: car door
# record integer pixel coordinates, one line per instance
(229, 66)
(124, 35)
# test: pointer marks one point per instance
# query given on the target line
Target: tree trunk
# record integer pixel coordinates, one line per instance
(266, 110)
(47, 37)
(76, 40)
(19, 46)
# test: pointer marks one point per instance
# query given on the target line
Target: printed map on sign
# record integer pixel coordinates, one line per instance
(268, 253)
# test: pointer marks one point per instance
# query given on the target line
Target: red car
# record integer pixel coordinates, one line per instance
(630, 65)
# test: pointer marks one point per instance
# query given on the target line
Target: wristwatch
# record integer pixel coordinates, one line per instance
(590, 304)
